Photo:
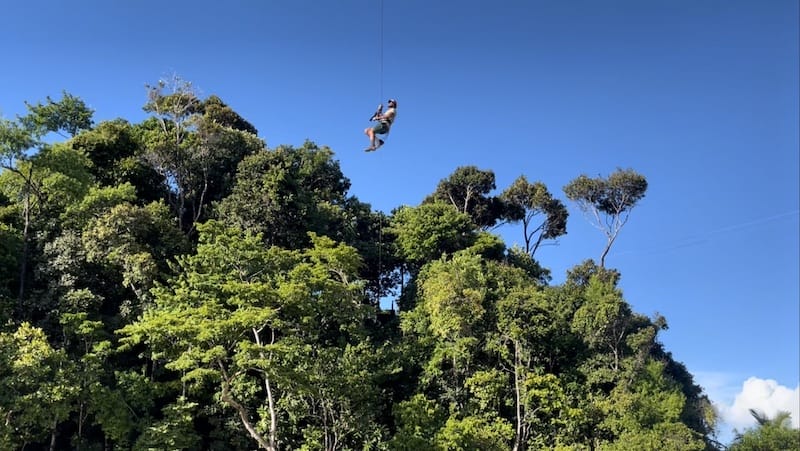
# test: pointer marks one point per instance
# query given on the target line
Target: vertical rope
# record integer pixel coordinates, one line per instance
(380, 217)
(380, 82)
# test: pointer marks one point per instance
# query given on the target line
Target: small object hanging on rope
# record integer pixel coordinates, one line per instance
(384, 125)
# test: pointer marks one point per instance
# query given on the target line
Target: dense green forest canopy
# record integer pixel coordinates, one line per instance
(175, 284)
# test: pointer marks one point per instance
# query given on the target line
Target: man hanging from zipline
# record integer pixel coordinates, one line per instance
(385, 120)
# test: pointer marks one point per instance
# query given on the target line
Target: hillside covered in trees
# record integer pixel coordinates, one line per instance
(175, 284)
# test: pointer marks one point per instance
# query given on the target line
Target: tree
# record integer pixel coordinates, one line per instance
(519, 258)
(418, 419)
(467, 189)
(452, 301)
(115, 149)
(215, 110)
(532, 341)
(426, 232)
(580, 275)
(332, 398)
(255, 323)
(523, 328)
(608, 202)
(473, 433)
(285, 193)
(14, 141)
(106, 256)
(645, 414)
(355, 224)
(137, 241)
(87, 345)
(770, 433)
(174, 431)
(699, 414)
(193, 148)
(604, 321)
(37, 387)
(224, 140)
(662, 437)
(10, 246)
(529, 201)
(42, 185)
(18, 162)
(66, 117)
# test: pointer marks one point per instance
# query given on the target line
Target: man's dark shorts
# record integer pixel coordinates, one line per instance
(381, 128)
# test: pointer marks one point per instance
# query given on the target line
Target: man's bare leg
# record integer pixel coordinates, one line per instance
(371, 134)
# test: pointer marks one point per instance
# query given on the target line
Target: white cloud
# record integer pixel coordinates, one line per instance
(763, 395)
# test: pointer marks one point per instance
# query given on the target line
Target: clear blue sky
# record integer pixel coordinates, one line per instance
(701, 97)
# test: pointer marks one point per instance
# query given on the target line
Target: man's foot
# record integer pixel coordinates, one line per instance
(370, 149)
(380, 143)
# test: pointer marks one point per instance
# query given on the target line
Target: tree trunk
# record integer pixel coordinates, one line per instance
(80, 426)
(245, 418)
(53, 436)
(519, 438)
(527, 221)
(273, 417)
(611, 239)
